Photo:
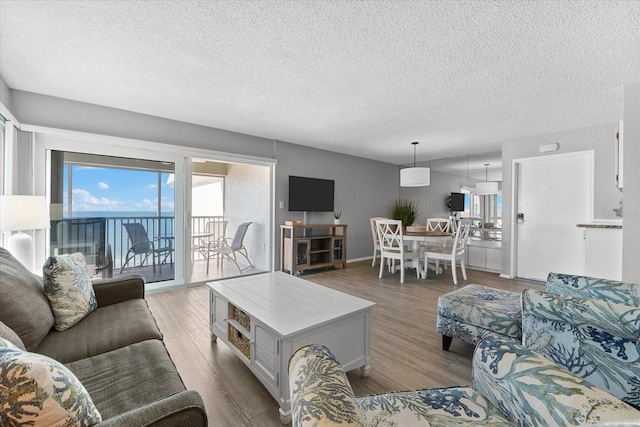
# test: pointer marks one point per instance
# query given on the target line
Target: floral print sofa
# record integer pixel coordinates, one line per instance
(512, 385)
(592, 327)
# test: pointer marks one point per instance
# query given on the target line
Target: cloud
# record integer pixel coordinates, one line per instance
(103, 185)
(83, 200)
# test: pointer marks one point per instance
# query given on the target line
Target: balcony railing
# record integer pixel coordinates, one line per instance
(95, 236)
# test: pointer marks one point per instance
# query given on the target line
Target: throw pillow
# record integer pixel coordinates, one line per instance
(68, 287)
(38, 391)
(23, 306)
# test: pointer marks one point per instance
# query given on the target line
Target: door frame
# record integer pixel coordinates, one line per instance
(515, 165)
(46, 138)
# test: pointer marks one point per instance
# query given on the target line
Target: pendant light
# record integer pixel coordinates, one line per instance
(486, 187)
(415, 176)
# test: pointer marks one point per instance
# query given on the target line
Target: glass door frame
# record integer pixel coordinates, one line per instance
(46, 139)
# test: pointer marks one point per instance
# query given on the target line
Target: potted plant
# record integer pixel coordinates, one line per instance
(404, 210)
(336, 217)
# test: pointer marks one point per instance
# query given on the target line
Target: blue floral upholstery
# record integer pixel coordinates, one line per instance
(594, 288)
(36, 390)
(475, 312)
(596, 340)
(533, 391)
(512, 385)
(322, 396)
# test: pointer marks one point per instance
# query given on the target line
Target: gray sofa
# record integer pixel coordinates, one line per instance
(116, 352)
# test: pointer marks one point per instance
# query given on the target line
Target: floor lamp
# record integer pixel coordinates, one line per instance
(20, 213)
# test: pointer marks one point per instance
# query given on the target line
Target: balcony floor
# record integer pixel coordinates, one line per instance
(225, 270)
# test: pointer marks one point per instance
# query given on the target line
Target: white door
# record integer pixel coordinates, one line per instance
(554, 194)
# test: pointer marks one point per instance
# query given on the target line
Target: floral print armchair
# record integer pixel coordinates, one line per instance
(594, 288)
(512, 385)
(595, 339)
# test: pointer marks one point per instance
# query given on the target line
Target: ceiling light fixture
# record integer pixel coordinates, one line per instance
(487, 187)
(415, 176)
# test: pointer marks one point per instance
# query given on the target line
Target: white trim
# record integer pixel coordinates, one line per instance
(10, 117)
(120, 142)
(590, 154)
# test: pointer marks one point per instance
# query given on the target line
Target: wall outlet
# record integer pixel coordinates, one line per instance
(281, 204)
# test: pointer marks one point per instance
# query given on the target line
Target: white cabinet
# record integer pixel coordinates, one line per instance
(266, 356)
(218, 313)
(603, 253)
(484, 255)
(264, 318)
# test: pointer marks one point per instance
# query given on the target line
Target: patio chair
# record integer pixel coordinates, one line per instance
(228, 250)
(141, 245)
(85, 235)
(207, 239)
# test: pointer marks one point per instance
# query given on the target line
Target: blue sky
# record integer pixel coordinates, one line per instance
(118, 190)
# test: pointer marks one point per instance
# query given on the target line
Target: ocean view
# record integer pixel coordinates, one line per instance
(122, 214)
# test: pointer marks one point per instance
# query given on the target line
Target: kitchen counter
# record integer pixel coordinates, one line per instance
(602, 224)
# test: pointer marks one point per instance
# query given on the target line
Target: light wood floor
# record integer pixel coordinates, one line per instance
(406, 350)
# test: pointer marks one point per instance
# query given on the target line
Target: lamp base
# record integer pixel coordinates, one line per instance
(21, 247)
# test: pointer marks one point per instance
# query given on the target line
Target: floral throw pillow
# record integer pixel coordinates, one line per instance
(68, 287)
(38, 391)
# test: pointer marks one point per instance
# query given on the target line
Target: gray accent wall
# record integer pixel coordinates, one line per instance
(600, 138)
(363, 187)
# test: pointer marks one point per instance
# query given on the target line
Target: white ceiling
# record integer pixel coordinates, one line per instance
(358, 77)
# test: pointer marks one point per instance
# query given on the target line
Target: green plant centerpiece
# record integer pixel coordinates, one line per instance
(404, 210)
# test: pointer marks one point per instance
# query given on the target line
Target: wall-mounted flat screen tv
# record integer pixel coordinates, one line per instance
(310, 194)
(457, 202)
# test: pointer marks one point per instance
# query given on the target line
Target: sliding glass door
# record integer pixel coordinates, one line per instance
(119, 212)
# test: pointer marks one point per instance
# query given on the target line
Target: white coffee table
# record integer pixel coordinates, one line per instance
(264, 318)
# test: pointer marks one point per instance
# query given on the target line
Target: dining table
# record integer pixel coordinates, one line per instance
(415, 239)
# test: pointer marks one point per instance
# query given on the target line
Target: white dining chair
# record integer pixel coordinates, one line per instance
(376, 241)
(392, 248)
(442, 225)
(452, 254)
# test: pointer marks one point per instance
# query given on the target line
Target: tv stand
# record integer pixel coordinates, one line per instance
(312, 246)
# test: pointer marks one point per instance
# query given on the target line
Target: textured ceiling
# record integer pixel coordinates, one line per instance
(359, 77)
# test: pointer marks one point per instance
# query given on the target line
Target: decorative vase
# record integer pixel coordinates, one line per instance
(336, 221)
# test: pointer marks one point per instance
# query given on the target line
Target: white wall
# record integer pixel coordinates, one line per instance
(600, 138)
(631, 170)
(247, 199)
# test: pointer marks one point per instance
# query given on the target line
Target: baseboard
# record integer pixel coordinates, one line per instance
(506, 276)
(359, 259)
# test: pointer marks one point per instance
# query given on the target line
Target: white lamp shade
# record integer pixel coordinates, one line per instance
(415, 177)
(488, 187)
(23, 213)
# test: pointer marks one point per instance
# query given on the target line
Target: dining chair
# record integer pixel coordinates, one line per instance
(442, 225)
(392, 247)
(374, 235)
(229, 249)
(452, 254)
